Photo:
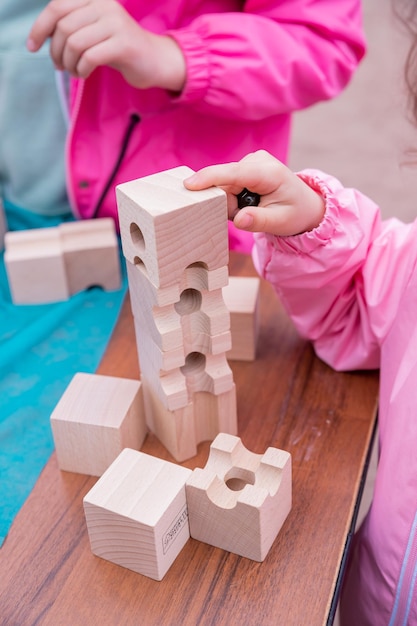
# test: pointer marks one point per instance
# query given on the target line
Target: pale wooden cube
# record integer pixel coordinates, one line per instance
(240, 500)
(35, 266)
(96, 417)
(241, 297)
(137, 515)
(166, 228)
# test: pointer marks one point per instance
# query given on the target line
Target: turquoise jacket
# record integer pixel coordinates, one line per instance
(32, 123)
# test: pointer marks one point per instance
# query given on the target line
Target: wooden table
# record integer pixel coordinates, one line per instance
(288, 399)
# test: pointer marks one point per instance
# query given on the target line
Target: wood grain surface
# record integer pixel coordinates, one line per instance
(287, 398)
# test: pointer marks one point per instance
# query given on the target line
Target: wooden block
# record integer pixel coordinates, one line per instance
(240, 500)
(175, 376)
(241, 297)
(91, 254)
(166, 228)
(193, 317)
(136, 513)
(96, 417)
(35, 266)
(181, 430)
(51, 264)
(3, 225)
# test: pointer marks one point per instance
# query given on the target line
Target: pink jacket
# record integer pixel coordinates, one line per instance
(365, 271)
(249, 66)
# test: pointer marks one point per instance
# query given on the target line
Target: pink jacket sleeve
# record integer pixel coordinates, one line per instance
(342, 282)
(294, 53)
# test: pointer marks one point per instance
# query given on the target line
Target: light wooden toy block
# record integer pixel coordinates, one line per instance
(96, 417)
(51, 264)
(175, 376)
(91, 254)
(192, 316)
(181, 430)
(35, 266)
(165, 227)
(240, 500)
(136, 513)
(3, 225)
(241, 297)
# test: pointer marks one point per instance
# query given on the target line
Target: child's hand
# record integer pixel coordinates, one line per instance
(288, 206)
(88, 33)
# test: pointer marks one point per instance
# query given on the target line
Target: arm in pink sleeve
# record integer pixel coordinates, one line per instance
(342, 282)
(271, 58)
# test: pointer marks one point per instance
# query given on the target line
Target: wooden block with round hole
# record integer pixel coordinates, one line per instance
(166, 228)
(240, 500)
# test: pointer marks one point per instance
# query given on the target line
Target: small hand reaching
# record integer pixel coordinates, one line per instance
(288, 206)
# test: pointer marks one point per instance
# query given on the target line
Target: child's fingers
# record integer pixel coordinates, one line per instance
(226, 176)
(263, 219)
(259, 172)
(45, 24)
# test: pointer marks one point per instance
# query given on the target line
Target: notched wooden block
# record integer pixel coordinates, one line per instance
(240, 500)
(165, 228)
(136, 513)
(91, 254)
(51, 264)
(96, 417)
(181, 430)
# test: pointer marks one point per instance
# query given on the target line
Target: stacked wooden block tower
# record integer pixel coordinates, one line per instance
(175, 245)
(142, 510)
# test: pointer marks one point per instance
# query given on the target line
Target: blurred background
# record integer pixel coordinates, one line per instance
(363, 135)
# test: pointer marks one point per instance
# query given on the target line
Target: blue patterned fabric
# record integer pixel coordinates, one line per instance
(41, 348)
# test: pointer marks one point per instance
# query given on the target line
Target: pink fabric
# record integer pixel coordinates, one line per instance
(364, 271)
(249, 66)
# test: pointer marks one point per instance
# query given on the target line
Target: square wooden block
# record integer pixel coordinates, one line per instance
(35, 266)
(166, 228)
(96, 417)
(137, 514)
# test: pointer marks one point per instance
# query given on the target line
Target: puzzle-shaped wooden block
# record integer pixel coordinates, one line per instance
(240, 500)
(136, 513)
(96, 417)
